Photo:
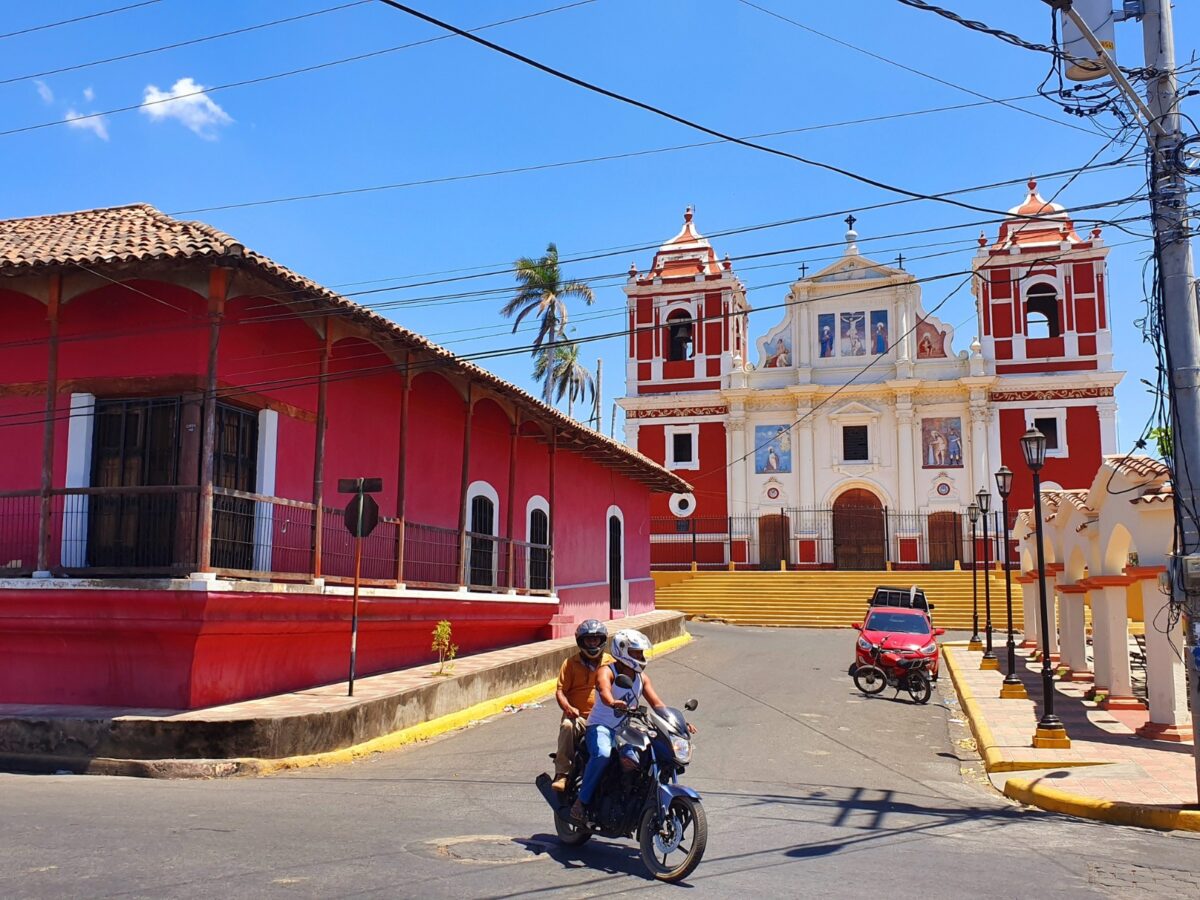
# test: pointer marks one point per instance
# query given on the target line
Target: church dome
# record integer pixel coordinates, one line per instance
(1051, 226)
(686, 255)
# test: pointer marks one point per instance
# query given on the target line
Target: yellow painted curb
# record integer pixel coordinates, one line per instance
(426, 730)
(1032, 792)
(994, 759)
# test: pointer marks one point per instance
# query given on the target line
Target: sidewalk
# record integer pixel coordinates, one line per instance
(318, 726)
(1109, 773)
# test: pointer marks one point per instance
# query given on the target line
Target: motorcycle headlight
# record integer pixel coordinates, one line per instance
(682, 748)
(929, 648)
(864, 644)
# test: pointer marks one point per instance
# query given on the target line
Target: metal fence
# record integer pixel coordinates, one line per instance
(132, 531)
(823, 538)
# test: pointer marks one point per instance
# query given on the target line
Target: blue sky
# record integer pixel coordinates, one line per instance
(450, 108)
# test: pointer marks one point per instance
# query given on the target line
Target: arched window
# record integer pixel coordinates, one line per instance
(616, 558)
(679, 335)
(481, 534)
(1041, 312)
(537, 535)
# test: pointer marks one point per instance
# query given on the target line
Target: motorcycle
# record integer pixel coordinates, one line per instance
(641, 799)
(903, 670)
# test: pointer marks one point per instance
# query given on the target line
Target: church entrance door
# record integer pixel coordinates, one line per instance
(773, 541)
(859, 531)
(945, 539)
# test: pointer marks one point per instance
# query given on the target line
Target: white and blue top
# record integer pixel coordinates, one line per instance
(602, 713)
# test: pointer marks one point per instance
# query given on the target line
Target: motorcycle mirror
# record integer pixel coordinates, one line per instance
(691, 705)
(624, 681)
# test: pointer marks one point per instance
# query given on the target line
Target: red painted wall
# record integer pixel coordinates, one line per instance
(188, 649)
(1073, 472)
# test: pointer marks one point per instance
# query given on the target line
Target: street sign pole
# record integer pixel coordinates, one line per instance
(357, 572)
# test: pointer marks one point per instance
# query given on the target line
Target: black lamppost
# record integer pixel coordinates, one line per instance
(989, 661)
(1050, 730)
(976, 644)
(1012, 689)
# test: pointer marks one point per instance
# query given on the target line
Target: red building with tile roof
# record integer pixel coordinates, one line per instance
(175, 413)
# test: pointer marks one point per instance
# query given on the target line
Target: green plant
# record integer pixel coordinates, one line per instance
(445, 650)
(1162, 440)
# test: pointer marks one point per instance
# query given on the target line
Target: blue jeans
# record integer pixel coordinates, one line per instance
(600, 745)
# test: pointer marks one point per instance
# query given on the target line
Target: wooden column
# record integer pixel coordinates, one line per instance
(462, 493)
(402, 467)
(218, 288)
(319, 451)
(550, 505)
(45, 524)
(512, 498)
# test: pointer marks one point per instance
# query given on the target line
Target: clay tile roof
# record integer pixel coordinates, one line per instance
(1077, 499)
(1160, 493)
(117, 234)
(140, 233)
(1139, 465)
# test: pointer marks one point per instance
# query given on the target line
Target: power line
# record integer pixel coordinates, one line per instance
(539, 167)
(622, 98)
(188, 43)
(95, 15)
(1007, 36)
(289, 73)
(891, 62)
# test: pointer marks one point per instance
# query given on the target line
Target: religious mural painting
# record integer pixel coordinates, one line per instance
(879, 332)
(772, 449)
(942, 443)
(853, 334)
(779, 353)
(931, 343)
(826, 333)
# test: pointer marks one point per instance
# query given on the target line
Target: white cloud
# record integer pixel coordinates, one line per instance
(44, 92)
(95, 124)
(187, 102)
(88, 94)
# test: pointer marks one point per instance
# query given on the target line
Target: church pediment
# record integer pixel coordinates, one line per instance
(854, 268)
(854, 410)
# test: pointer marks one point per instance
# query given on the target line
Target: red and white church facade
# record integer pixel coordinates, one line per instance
(853, 433)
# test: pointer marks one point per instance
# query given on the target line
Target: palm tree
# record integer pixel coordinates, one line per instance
(541, 290)
(569, 376)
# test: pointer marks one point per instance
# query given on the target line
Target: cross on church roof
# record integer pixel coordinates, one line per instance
(850, 220)
(803, 269)
(899, 260)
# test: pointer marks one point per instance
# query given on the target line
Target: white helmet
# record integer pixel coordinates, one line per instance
(627, 642)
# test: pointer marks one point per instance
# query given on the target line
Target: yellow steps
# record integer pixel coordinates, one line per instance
(824, 599)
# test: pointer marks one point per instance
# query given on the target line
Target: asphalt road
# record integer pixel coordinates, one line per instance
(811, 790)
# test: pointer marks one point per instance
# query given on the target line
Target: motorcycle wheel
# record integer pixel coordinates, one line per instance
(869, 680)
(919, 687)
(686, 833)
(568, 832)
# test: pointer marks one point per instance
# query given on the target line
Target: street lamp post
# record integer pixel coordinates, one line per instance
(1050, 731)
(975, 644)
(989, 661)
(1011, 689)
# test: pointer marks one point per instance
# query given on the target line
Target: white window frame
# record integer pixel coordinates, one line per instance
(609, 513)
(81, 427)
(482, 489)
(536, 502)
(268, 453)
(1060, 416)
(687, 465)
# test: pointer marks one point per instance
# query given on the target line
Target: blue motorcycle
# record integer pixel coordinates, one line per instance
(639, 795)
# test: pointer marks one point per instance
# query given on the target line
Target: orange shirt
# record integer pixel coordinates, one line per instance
(578, 682)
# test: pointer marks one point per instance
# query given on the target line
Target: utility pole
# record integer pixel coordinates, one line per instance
(1181, 334)
(1181, 318)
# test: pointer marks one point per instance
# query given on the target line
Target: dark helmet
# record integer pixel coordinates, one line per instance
(591, 628)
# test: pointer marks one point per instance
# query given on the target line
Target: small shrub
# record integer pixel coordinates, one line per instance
(445, 650)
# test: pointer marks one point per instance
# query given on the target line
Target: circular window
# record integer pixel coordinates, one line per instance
(943, 489)
(772, 493)
(683, 505)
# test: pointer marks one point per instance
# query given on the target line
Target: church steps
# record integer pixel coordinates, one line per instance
(824, 599)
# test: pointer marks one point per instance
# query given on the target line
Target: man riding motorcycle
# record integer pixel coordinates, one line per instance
(628, 650)
(576, 693)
